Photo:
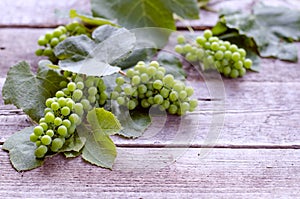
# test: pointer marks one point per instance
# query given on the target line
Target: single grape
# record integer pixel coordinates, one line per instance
(121, 100)
(214, 46)
(128, 90)
(55, 106)
(62, 131)
(50, 133)
(70, 103)
(189, 90)
(92, 90)
(207, 34)
(44, 125)
(144, 78)
(181, 39)
(234, 73)
(57, 144)
(120, 81)
(157, 84)
(66, 123)
(131, 104)
(92, 99)
(173, 96)
(182, 95)
(33, 137)
(41, 151)
(142, 88)
(62, 101)
(71, 86)
(77, 94)
(201, 40)
(80, 85)
(46, 140)
(158, 99)
(145, 103)
(54, 42)
(65, 111)
(135, 80)
(248, 63)
(57, 121)
(74, 118)
(49, 117)
(42, 40)
(49, 101)
(172, 109)
(236, 56)
(178, 49)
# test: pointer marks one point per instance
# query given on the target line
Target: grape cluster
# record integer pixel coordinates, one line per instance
(52, 38)
(214, 53)
(147, 85)
(65, 111)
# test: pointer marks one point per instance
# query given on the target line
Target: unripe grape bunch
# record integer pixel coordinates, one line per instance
(148, 85)
(215, 53)
(65, 111)
(51, 39)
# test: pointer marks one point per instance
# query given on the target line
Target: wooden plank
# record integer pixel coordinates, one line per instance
(161, 173)
(252, 115)
(34, 13)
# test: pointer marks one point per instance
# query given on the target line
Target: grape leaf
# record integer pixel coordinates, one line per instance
(29, 91)
(74, 143)
(134, 122)
(94, 56)
(90, 20)
(99, 148)
(272, 29)
(146, 13)
(172, 64)
(21, 150)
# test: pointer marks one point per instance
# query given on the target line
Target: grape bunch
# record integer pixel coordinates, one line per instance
(65, 111)
(214, 53)
(52, 38)
(147, 85)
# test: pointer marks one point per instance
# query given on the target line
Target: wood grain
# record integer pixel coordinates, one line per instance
(161, 173)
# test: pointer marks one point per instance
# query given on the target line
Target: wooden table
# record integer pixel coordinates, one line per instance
(254, 131)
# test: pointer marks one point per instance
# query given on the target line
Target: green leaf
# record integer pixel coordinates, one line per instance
(90, 20)
(271, 28)
(99, 148)
(74, 143)
(146, 13)
(104, 121)
(172, 64)
(94, 57)
(21, 150)
(134, 122)
(72, 154)
(28, 91)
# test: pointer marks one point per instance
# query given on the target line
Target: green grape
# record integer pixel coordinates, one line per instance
(92, 99)
(131, 104)
(42, 119)
(181, 39)
(193, 103)
(154, 63)
(168, 80)
(65, 111)
(227, 54)
(182, 95)
(219, 55)
(62, 101)
(201, 40)
(57, 144)
(41, 151)
(172, 109)
(214, 46)
(150, 100)
(92, 90)
(157, 84)
(185, 106)
(191, 57)
(62, 37)
(242, 52)
(236, 56)
(233, 48)
(173, 96)
(120, 81)
(189, 90)
(55, 106)
(130, 73)
(66, 123)
(248, 63)
(159, 75)
(128, 90)
(74, 118)
(71, 86)
(48, 52)
(39, 52)
(234, 73)
(207, 34)
(166, 104)
(242, 72)
(178, 86)
(49, 117)
(187, 48)
(46, 140)
(63, 84)
(86, 104)
(121, 100)
(135, 80)
(164, 92)
(80, 85)
(227, 71)
(50, 133)
(42, 40)
(33, 137)
(179, 49)
(118, 89)
(62, 131)
(114, 95)
(38, 143)
(70, 103)
(238, 65)
(77, 94)
(57, 33)
(149, 93)
(142, 88)
(49, 101)
(48, 35)
(145, 103)
(48, 110)
(44, 125)
(144, 78)
(158, 99)
(151, 71)
(54, 42)
(57, 121)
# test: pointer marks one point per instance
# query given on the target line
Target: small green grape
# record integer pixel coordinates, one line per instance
(121, 100)
(248, 63)
(33, 137)
(131, 104)
(55, 106)
(181, 39)
(46, 140)
(62, 131)
(71, 86)
(50, 133)
(158, 99)
(120, 81)
(173, 96)
(92, 90)
(80, 85)
(41, 151)
(44, 125)
(57, 144)
(57, 121)
(65, 111)
(77, 94)
(207, 34)
(135, 80)
(49, 117)
(157, 84)
(66, 123)
(172, 109)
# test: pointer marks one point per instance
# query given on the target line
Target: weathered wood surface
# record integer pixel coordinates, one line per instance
(257, 146)
(158, 173)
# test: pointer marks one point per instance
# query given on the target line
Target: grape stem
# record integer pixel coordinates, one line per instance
(122, 73)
